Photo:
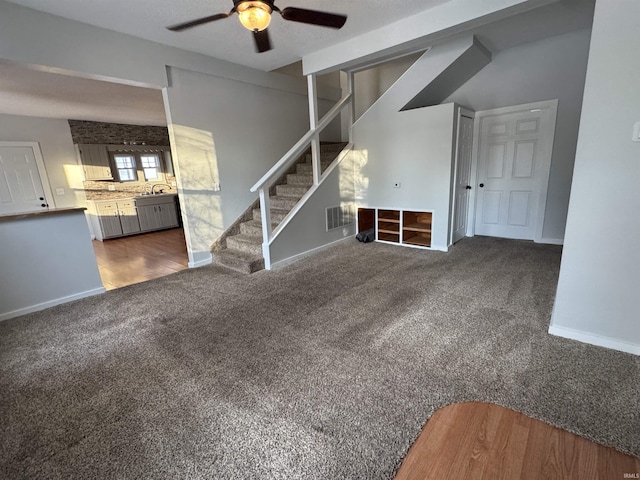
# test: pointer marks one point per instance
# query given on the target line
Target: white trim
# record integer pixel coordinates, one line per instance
(593, 339)
(42, 170)
(313, 251)
(50, 303)
(551, 107)
(551, 241)
(454, 177)
(201, 263)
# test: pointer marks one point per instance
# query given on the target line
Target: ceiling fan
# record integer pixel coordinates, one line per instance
(256, 15)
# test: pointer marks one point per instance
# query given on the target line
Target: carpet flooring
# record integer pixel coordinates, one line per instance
(325, 369)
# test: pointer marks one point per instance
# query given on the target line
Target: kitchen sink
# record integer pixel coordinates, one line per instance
(143, 200)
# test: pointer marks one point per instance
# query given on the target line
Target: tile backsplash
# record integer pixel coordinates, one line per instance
(100, 190)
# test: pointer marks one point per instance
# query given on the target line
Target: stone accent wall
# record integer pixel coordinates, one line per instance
(117, 133)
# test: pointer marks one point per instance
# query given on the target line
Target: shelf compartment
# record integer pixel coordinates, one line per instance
(389, 216)
(414, 238)
(389, 237)
(416, 228)
(388, 227)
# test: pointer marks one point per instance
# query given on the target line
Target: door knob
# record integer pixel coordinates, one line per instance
(43, 205)
(481, 185)
(41, 198)
(468, 187)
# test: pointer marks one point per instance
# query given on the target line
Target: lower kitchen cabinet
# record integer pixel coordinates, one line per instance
(156, 217)
(118, 218)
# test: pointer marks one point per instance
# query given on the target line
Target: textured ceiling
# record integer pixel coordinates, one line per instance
(29, 92)
(41, 94)
(227, 39)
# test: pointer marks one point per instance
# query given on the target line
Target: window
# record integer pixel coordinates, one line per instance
(126, 166)
(151, 166)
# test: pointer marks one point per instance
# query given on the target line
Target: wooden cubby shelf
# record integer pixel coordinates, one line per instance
(416, 228)
(389, 226)
(404, 227)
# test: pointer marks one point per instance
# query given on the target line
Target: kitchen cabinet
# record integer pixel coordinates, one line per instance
(128, 216)
(115, 219)
(158, 216)
(95, 162)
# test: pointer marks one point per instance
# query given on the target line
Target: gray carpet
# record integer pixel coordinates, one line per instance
(326, 369)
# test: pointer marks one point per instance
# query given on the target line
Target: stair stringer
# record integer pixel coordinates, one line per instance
(455, 62)
(293, 238)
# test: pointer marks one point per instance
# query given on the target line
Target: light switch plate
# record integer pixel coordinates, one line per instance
(59, 191)
(636, 132)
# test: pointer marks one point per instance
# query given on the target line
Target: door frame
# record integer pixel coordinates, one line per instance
(547, 139)
(42, 171)
(461, 111)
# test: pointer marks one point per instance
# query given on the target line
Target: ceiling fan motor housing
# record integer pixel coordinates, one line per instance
(269, 3)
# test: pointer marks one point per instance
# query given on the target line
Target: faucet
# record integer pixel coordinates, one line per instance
(145, 189)
(153, 187)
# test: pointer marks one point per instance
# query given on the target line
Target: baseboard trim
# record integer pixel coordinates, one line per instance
(592, 339)
(201, 263)
(313, 251)
(551, 241)
(50, 303)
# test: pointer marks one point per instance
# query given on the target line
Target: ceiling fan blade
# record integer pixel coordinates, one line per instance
(194, 23)
(263, 43)
(314, 17)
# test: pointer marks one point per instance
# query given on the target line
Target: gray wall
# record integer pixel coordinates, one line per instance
(307, 231)
(58, 153)
(597, 298)
(544, 70)
(231, 133)
(49, 260)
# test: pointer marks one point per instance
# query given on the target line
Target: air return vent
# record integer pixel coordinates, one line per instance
(339, 216)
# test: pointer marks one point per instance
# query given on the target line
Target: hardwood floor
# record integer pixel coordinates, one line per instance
(127, 260)
(484, 441)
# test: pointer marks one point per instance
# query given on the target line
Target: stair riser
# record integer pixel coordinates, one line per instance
(284, 203)
(254, 249)
(239, 264)
(247, 228)
(298, 179)
(324, 157)
(290, 191)
(276, 216)
(307, 168)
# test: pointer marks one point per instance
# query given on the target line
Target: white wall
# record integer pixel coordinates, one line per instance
(231, 133)
(542, 70)
(414, 148)
(58, 152)
(597, 298)
(45, 260)
(307, 231)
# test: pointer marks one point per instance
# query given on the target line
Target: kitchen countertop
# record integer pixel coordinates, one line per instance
(39, 213)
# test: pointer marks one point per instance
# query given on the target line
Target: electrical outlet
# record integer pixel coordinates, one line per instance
(111, 188)
(216, 187)
(396, 185)
(636, 132)
(173, 184)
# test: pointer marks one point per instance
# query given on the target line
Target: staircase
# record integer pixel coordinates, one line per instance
(243, 250)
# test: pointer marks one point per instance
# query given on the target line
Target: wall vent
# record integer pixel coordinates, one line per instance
(339, 216)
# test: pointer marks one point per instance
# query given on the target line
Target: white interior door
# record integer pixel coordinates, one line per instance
(514, 158)
(21, 188)
(463, 177)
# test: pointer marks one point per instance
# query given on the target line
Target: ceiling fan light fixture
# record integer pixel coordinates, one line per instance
(255, 16)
